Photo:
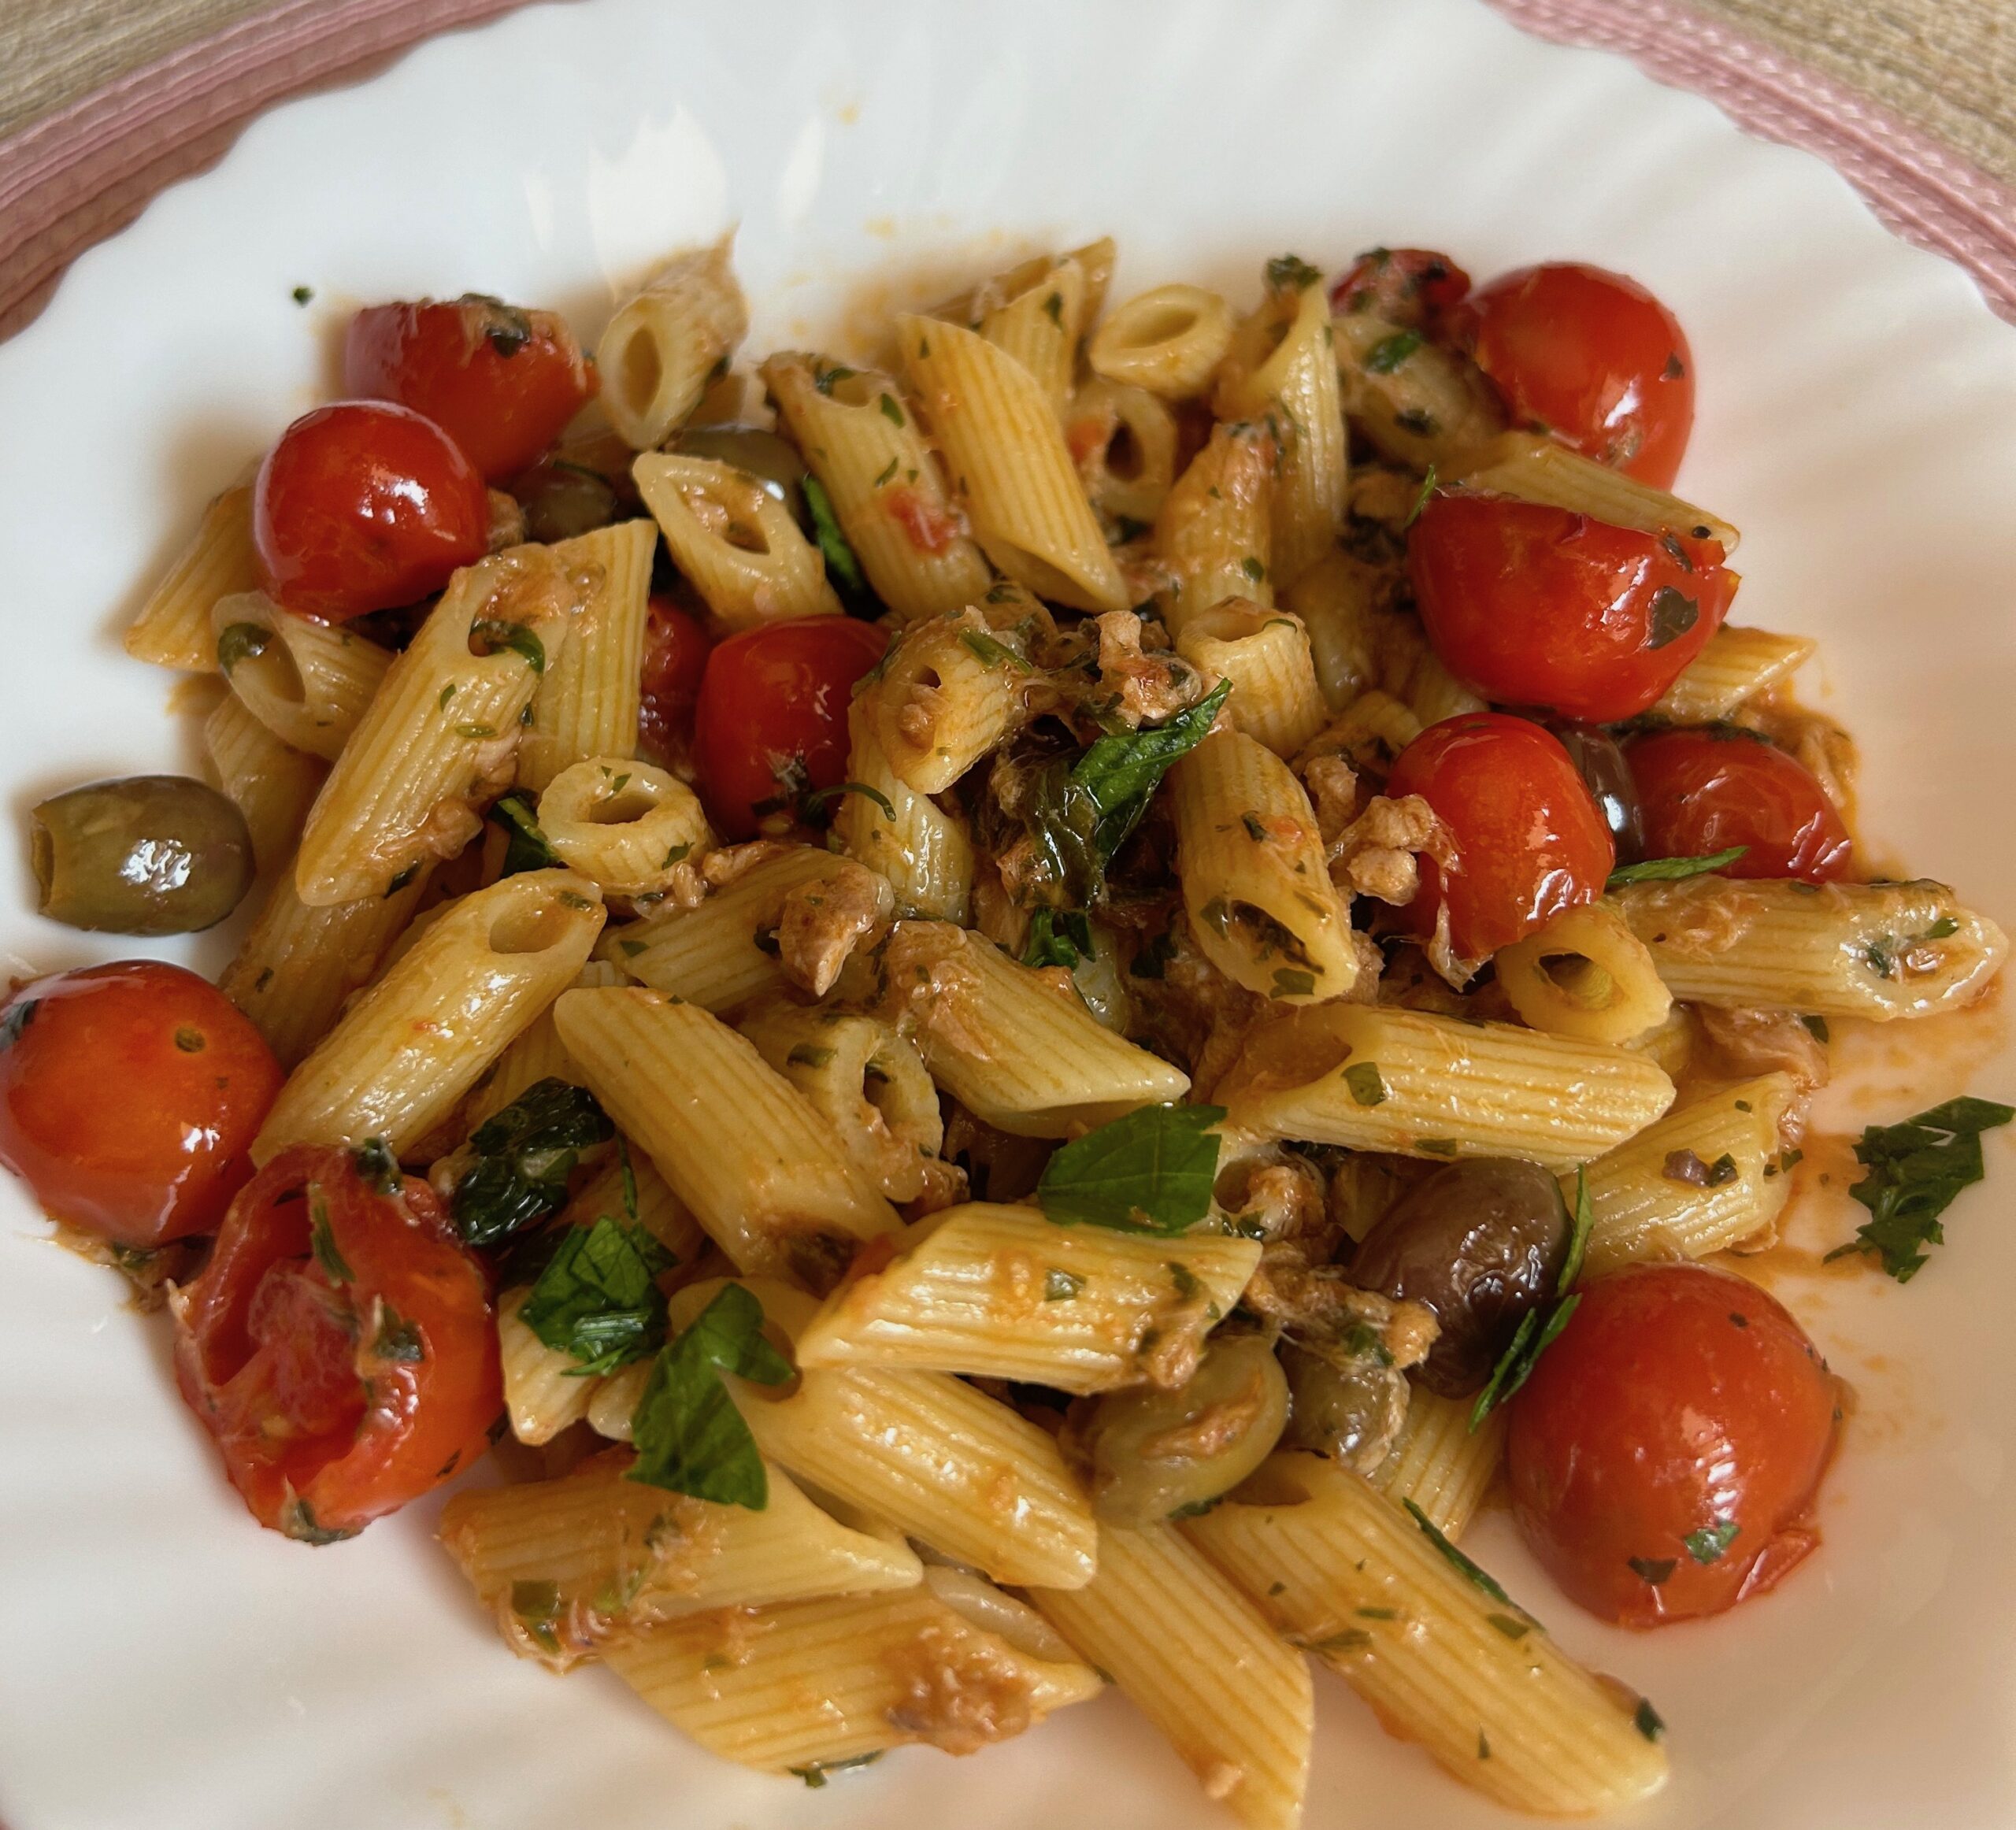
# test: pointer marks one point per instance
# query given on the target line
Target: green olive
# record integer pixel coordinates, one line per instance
(774, 462)
(146, 854)
(1155, 1453)
(1350, 1402)
(561, 500)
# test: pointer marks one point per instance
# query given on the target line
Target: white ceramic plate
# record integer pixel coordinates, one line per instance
(164, 1664)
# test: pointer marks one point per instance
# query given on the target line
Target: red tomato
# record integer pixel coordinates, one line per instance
(1703, 791)
(1533, 605)
(1591, 356)
(1414, 286)
(502, 383)
(674, 658)
(129, 1096)
(365, 506)
(1530, 840)
(339, 1345)
(1665, 1456)
(773, 717)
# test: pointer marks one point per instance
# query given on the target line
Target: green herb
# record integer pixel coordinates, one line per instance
(1126, 528)
(1196, 1509)
(632, 948)
(1251, 566)
(1707, 1544)
(839, 557)
(1061, 1286)
(1351, 1639)
(1151, 1171)
(689, 1436)
(1377, 1613)
(891, 411)
(1389, 353)
(238, 641)
(824, 379)
(1436, 1147)
(807, 1054)
(597, 1297)
(1053, 308)
(811, 803)
(1671, 870)
(1456, 1560)
(1483, 1745)
(476, 733)
(1944, 928)
(487, 635)
(629, 1175)
(535, 1606)
(1420, 500)
(1366, 1083)
(991, 652)
(1673, 615)
(398, 1339)
(1915, 1169)
(1687, 1166)
(1538, 1329)
(378, 1167)
(1648, 1721)
(1414, 420)
(525, 846)
(190, 1040)
(298, 1521)
(888, 471)
(524, 1155)
(814, 1776)
(1655, 1570)
(1059, 937)
(1881, 954)
(302, 294)
(674, 853)
(1151, 960)
(1290, 982)
(1291, 270)
(400, 880)
(322, 1239)
(1510, 1627)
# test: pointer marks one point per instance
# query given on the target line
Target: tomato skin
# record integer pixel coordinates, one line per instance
(502, 383)
(344, 1376)
(1704, 791)
(1530, 840)
(1591, 356)
(1678, 1400)
(774, 699)
(1532, 606)
(121, 1131)
(676, 649)
(1416, 287)
(364, 506)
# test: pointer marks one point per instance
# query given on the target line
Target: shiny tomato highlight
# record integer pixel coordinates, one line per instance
(339, 1345)
(1530, 839)
(129, 1096)
(1591, 356)
(364, 506)
(501, 382)
(1532, 606)
(1665, 1457)
(772, 724)
(1704, 791)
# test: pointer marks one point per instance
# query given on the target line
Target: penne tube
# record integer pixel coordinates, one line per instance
(921, 849)
(1169, 340)
(1370, 732)
(1265, 654)
(1093, 261)
(1009, 467)
(274, 784)
(949, 691)
(1378, 1078)
(544, 1392)
(1439, 1463)
(607, 1193)
(628, 825)
(535, 1055)
(1585, 974)
(1479, 1685)
(1001, 1292)
(1361, 642)
(1124, 439)
(1417, 402)
(172, 629)
(1539, 469)
(307, 682)
(666, 346)
(1214, 535)
(441, 727)
(402, 1058)
(1879, 950)
(1199, 1661)
(1737, 666)
(1038, 327)
(734, 541)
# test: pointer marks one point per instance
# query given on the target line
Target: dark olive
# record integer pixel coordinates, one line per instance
(774, 462)
(561, 500)
(147, 854)
(1480, 1243)
(1347, 1400)
(1599, 758)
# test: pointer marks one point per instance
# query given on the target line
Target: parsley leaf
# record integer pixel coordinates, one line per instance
(1457, 1561)
(524, 1155)
(1673, 614)
(1671, 870)
(1367, 1085)
(598, 1298)
(525, 847)
(840, 562)
(1057, 937)
(1287, 270)
(689, 1436)
(1539, 1328)
(322, 1239)
(809, 804)
(1151, 1171)
(1389, 353)
(489, 635)
(1707, 1544)
(1915, 1169)
(990, 653)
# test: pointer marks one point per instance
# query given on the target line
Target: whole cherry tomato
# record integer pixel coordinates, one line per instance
(674, 658)
(129, 1096)
(1414, 287)
(1704, 791)
(501, 382)
(772, 724)
(1665, 1456)
(1533, 605)
(1529, 839)
(363, 506)
(339, 1344)
(1591, 356)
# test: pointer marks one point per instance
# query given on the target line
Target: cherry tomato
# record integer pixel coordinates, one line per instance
(129, 1096)
(339, 1344)
(1591, 356)
(365, 506)
(1529, 839)
(1704, 791)
(1665, 1456)
(502, 383)
(1533, 605)
(1414, 286)
(674, 658)
(772, 718)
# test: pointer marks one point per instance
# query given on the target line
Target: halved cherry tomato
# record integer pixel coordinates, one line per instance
(772, 724)
(1414, 286)
(129, 1096)
(676, 649)
(1665, 1456)
(1533, 605)
(1591, 356)
(363, 506)
(501, 382)
(1704, 791)
(339, 1344)
(1529, 839)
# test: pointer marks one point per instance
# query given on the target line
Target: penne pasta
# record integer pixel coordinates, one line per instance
(1417, 402)
(627, 825)
(274, 784)
(172, 628)
(1737, 666)
(734, 541)
(1124, 439)
(1039, 326)
(1169, 340)
(1214, 535)
(667, 346)
(1540, 469)
(1585, 974)
(1265, 654)
(535, 1055)
(949, 692)
(544, 1392)
(922, 850)
(307, 682)
(1439, 1463)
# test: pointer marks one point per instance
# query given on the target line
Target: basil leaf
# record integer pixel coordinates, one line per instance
(525, 847)
(841, 564)
(524, 1155)
(1671, 870)
(1151, 1171)
(1057, 937)
(1915, 1169)
(689, 1436)
(809, 804)
(487, 635)
(597, 1297)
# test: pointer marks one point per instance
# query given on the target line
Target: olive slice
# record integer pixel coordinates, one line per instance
(143, 854)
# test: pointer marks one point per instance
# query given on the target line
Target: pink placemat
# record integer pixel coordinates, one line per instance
(82, 173)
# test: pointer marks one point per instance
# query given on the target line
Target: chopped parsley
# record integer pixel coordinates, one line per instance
(1456, 1560)
(488, 635)
(1656, 1571)
(990, 653)
(1671, 870)
(811, 803)
(1291, 270)
(1061, 1286)
(322, 1239)
(1707, 1544)
(814, 1776)
(1152, 1171)
(238, 641)
(1673, 614)
(689, 1436)
(1366, 1085)
(1059, 937)
(1915, 1169)
(1389, 353)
